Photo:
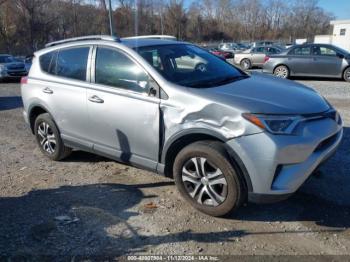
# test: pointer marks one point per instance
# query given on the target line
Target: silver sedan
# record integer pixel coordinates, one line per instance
(255, 57)
(317, 60)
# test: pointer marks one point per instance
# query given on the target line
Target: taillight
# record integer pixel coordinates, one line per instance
(24, 80)
(266, 59)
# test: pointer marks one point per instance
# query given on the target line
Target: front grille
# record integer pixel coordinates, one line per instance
(16, 73)
(332, 114)
(16, 67)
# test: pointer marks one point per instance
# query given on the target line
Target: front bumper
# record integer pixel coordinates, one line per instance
(278, 165)
(268, 68)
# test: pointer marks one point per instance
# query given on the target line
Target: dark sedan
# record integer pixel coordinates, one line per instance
(11, 67)
(317, 60)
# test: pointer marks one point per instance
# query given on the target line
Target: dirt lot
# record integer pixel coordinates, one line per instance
(104, 211)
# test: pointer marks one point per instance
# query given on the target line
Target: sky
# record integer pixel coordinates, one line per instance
(340, 8)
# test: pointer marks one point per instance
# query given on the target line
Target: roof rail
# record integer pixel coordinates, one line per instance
(166, 37)
(83, 38)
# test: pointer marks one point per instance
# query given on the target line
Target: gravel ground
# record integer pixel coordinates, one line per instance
(89, 205)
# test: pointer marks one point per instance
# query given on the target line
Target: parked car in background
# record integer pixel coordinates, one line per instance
(230, 47)
(218, 52)
(11, 67)
(255, 56)
(317, 60)
(244, 46)
(263, 43)
(129, 100)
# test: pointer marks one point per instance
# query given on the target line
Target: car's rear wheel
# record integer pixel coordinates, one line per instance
(346, 74)
(49, 139)
(281, 71)
(245, 64)
(207, 179)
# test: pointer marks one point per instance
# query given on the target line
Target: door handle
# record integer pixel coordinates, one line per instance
(96, 99)
(47, 90)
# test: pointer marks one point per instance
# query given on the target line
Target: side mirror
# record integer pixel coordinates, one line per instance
(341, 56)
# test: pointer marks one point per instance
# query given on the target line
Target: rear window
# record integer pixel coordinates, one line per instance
(72, 63)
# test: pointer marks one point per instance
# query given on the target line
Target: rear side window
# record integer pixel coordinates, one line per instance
(258, 50)
(72, 63)
(46, 62)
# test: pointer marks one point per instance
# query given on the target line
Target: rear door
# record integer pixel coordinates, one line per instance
(64, 90)
(299, 60)
(258, 56)
(123, 112)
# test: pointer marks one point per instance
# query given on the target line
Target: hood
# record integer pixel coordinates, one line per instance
(14, 65)
(268, 95)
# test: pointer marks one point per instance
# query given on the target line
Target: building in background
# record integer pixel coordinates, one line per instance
(340, 36)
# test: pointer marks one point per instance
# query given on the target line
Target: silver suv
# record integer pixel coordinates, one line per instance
(223, 135)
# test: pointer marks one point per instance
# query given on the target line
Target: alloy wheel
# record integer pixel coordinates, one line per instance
(46, 137)
(204, 182)
(281, 72)
(245, 64)
(347, 75)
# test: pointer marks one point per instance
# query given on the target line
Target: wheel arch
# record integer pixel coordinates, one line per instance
(34, 112)
(245, 58)
(175, 144)
(343, 72)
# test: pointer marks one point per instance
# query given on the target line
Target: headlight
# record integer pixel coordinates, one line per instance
(2, 68)
(275, 124)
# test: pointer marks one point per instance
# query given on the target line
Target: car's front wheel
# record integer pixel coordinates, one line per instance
(281, 71)
(346, 75)
(207, 179)
(49, 139)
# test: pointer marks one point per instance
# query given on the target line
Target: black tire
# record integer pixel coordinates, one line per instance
(53, 148)
(245, 64)
(346, 74)
(216, 155)
(281, 71)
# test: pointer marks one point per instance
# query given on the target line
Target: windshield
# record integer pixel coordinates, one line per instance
(6, 59)
(190, 66)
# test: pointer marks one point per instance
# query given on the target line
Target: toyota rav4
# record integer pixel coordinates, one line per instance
(173, 108)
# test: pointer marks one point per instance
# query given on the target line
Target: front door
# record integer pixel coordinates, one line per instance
(326, 62)
(123, 113)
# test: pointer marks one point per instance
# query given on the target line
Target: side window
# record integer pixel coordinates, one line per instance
(301, 51)
(327, 51)
(72, 63)
(343, 31)
(115, 69)
(47, 62)
(259, 50)
(271, 50)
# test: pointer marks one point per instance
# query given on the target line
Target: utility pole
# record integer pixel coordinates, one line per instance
(110, 18)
